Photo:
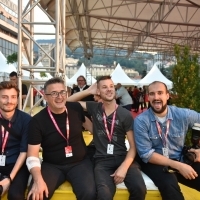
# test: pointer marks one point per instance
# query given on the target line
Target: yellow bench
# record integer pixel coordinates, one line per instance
(65, 190)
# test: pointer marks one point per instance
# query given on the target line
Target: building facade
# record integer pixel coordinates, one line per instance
(99, 70)
(9, 28)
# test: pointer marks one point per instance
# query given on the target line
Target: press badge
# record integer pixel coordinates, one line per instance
(2, 160)
(68, 151)
(110, 149)
(165, 152)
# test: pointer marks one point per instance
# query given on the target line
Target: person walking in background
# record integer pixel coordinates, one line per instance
(135, 99)
(124, 98)
(160, 134)
(111, 123)
(14, 79)
(14, 130)
(140, 99)
(58, 130)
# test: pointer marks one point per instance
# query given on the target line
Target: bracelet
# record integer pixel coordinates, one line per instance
(9, 178)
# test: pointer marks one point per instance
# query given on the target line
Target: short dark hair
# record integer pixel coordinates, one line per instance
(53, 81)
(102, 78)
(9, 85)
(154, 82)
(13, 74)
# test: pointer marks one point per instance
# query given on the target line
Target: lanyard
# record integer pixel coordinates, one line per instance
(164, 140)
(4, 135)
(58, 129)
(110, 134)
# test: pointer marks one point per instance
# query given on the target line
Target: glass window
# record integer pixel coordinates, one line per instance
(0, 42)
(4, 44)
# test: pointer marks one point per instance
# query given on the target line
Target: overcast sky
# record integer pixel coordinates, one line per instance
(39, 16)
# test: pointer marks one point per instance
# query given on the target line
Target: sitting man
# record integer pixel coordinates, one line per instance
(14, 127)
(160, 135)
(111, 125)
(58, 130)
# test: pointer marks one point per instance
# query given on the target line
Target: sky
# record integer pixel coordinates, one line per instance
(39, 16)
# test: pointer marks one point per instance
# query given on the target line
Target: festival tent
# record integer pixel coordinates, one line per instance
(155, 75)
(119, 76)
(5, 69)
(82, 71)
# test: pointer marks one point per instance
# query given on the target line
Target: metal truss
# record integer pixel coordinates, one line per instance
(26, 30)
(130, 25)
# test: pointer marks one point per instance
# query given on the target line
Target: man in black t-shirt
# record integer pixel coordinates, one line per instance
(13, 142)
(111, 124)
(58, 130)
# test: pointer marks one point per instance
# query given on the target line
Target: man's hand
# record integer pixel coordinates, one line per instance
(38, 189)
(197, 152)
(5, 184)
(93, 88)
(119, 175)
(187, 171)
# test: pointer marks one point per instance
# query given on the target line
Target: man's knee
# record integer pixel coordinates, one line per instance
(105, 192)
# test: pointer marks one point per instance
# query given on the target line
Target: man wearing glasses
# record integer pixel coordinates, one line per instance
(82, 85)
(58, 130)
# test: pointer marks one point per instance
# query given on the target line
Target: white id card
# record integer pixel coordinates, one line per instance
(68, 151)
(110, 149)
(2, 160)
(165, 152)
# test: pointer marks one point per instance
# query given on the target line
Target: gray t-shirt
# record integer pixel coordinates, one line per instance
(123, 123)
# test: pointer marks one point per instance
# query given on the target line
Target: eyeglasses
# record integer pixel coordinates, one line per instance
(80, 80)
(55, 94)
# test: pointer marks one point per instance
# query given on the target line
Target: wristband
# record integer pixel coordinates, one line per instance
(10, 178)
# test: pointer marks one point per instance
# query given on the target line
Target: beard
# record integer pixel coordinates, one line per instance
(163, 108)
(8, 109)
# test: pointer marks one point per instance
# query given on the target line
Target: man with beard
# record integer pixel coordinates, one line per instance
(160, 135)
(13, 142)
(111, 124)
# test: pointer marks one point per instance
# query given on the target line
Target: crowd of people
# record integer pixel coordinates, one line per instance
(156, 138)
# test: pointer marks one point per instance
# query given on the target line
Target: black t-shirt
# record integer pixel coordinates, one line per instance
(42, 131)
(123, 123)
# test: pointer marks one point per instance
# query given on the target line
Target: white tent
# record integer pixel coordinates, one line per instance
(119, 76)
(155, 75)
(82, 71)
(5, 69)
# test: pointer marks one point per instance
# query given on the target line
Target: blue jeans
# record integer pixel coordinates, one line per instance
(79, 174)
(106, 187)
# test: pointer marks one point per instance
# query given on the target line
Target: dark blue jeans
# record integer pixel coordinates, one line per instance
(79, 174)
(106, 187)
(167, 183)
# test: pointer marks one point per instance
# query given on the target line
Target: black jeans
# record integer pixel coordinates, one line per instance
(19, 184)
(79, 174)
(106, 187)
(167, 183)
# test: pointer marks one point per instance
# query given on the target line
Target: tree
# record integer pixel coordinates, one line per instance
(43, 74)
(12, 59)
(186, 80)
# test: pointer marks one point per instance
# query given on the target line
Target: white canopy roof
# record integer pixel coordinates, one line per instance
(81, 72)
(119, 76)
(155, 75)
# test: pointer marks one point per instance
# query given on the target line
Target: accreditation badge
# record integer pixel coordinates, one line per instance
(68, 151)
(2, 160)
(110, 149)
(165, 152)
